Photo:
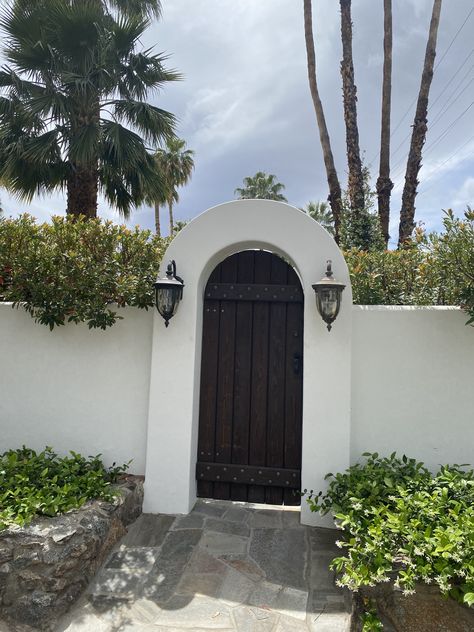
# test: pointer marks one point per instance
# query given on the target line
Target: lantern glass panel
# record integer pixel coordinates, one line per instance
(329, 298)
(167, 300)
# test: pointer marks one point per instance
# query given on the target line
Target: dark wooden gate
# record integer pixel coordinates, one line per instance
(249, 445)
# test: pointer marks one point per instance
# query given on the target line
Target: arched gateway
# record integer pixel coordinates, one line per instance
(232, 404)
(251, 396)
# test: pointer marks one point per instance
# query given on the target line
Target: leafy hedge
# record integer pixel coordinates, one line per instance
(80, 271)
(33, 484)
(77, 271)
(403, 524)
(437, 270)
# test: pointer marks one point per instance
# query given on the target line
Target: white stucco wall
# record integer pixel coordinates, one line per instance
(384, 379)
(413, 383)
(74, 388)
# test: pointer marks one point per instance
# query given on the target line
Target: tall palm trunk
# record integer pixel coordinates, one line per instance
(355, 184)
(335, 198)
(157, 219)
(82, 186)
(407, 213)
(384, 183)
(170, 206)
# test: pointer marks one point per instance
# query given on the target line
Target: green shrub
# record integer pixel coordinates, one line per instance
(454, 249)
(438, 269)
(403, 524)
(77, 271)
(33, 484)
(414, 276)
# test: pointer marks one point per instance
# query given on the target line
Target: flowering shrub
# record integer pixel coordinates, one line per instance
(76, 271)
(403, 524)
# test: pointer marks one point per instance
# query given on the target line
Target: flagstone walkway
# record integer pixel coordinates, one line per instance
(225, 566)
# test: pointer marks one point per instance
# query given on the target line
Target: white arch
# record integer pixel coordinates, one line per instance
(170, 485)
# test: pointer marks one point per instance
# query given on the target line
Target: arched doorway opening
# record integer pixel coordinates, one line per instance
(251, 391)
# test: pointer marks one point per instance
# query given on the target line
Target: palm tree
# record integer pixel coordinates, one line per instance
(407, 213)
(176, 164)
(335, 197)
(355, 185)
(321, 213)
(72, 114)
(261, 186)
(384, 183)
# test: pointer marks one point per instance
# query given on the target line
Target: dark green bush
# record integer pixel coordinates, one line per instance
(82, 271)
(401, 523)
(400, 277)
(33, 484)
(77, 271)
(438, 269)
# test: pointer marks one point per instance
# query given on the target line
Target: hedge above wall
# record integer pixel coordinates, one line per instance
(79, 271)
(75, 271)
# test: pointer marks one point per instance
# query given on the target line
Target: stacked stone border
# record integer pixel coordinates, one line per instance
(424, 611)
(45, 566)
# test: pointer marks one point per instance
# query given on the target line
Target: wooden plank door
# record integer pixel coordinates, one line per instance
(249, 445)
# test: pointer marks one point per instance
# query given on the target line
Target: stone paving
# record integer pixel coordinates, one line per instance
(226, 566)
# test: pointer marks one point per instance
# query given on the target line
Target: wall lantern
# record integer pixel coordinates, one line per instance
(328, 296)
(168, 293)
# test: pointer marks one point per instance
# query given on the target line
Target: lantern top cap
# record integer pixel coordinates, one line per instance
(328, 280)
(171, 279)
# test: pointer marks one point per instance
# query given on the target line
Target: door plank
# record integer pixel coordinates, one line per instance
(258, 402)
(242, 374)
(293, 394)
(276, 382)
(208, 399)
(225, 377)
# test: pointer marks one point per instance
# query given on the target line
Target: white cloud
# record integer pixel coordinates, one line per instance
(465, 195)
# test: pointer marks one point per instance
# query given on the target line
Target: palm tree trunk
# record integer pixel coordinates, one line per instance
(355, 184)
(335, 197)
(384, 183)
(407, 213)
(82, 187)
(157, 219)
(170, 205)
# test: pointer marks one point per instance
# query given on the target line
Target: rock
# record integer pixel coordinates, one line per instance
(45, 566)
(425, 611)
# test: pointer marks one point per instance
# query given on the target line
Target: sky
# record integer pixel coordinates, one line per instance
(244, 103)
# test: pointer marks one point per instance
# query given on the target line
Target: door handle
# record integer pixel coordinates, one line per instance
(296, 363)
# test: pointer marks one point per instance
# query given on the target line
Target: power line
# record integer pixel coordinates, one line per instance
(449, 105)
(452, 78)
(445, 107)
(434, 143)
(456, 35)
(439, 167)
(438, 63)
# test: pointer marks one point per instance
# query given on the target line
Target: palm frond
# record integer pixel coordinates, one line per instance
(155, 124)
(148, 8)
(141, 73)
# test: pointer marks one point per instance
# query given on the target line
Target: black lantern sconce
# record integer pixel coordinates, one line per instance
(328, 296)
(168, 293)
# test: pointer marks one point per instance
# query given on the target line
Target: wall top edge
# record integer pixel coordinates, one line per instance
(406, 308)
(357, 308)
